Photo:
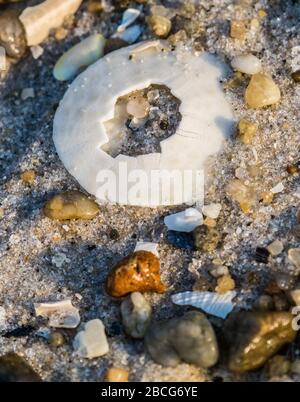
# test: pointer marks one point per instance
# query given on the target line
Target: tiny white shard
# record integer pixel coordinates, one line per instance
(50, 14)
(219, 305)
(2, 59)
(92, 341)
(80, 133)
(247, 63)
(129, 16)
(36, 51)
(27, 93)
(3, 322)
(61, 314)
(147, 246)
(184, 221)
(278, 188)
(130, 35)
(212, 210)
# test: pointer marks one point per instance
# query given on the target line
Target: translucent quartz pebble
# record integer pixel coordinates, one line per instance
(39, 20)
(219, 305)
(262, 91)
(79, 56)
(247, 63)
(79, 131)
(185, 221)
(92, 341)
(61, 314)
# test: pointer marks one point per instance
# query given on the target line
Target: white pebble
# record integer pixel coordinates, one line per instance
(92, 341)
(212, 210)
(146, 246)
(277, 189)
(275, 248)
(27, 93)
(185, 221)
(61, 314)
(247, 63)
(36, 51)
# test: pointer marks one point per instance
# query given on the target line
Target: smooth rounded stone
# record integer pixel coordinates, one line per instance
(218, 270)
(296, 76)
(244, 195)
(56, 339)
(79, 56)
(116, 374)
(212, 210)
(253, 337)
(160, 25)
(262, 91)
(12, 34)
(71, 205)
(92, 341)
(139, 272)
(206, 238)
(247, 131)
(136, 315)
(275, 248)
(247, 64)
(294, 256)
(14, 368)
(189, 338)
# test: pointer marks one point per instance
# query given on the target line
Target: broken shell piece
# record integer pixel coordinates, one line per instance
(40, 19)
(129, 16)
(212, 210)
(61, 314)
(130, 35)
(79, 56)
(185, 221)
(92, 341)
(80, 133)
(247, 63)
(146, 246)
(219, 305)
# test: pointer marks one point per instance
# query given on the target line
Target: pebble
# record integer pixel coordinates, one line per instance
(128, 18)
(294, 296)
(160, 25)
(262, 91)
(139, 272)
(225, 283)
(27, 93)
(275, 248)
(116, 374)
(56, 339)
(36, 51)
(253, 337)
(247, 131)
(294, 256)
(262, 255)
(61, 314)
(131, 34)
(206, 238)
(184, 221)
(79, 56)
(212, 210)
(71, 205)
(277, 189)
(136, 315)
(238, 30)
(247, 64)
(242, 194)
(211, 223)
(138, 107)
(28, 176)
(92, 341)
(14, 368)
(12, 34)
(296, 76)
(189, 338)
(277, 366)
(218, 270)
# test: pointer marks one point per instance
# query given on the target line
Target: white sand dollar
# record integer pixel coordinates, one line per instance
(79, 130)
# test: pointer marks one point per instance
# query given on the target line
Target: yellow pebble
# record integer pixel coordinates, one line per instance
(209, 222)
(238, 30)
(28, 176)
(161, 26)
(262, 91)
(262, 13)
(247, 131)
(225, 284)
(116, 374)
(267, 197)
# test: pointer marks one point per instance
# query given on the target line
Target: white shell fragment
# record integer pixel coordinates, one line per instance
(61, 314)
(36, 51)
(92, 341)
(79, 56)
(147, 246)
(219, 305)
(247, 63)
(129, 16)
(277, 189)
(79, 125)
(40, 19)
(212, 210)
(184, 221)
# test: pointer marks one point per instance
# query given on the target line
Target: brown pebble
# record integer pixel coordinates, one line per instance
(296, 76)
(56, 339)
(28, 176)
(116, 374)
(71, 205)
(161, 26)
(139, 272)
(238, 30)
